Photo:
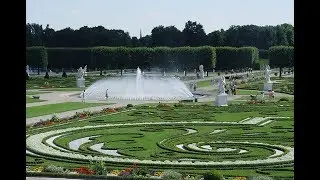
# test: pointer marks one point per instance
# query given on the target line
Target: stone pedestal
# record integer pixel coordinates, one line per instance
(267, 86)
(221, 100)
(81, 83)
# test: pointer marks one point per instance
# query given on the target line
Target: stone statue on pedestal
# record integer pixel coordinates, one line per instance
(268, 72)
(222, 97)
(80, 73)
(221, 85)
(201, 71)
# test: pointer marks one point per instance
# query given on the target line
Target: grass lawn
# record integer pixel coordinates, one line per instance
(286, 85)
(266, 98)
(57, 108)
(62, 89)
(58, 82)
(35, 92)
(32, 100)
(247, 92)
(204, 83)
(159, 142)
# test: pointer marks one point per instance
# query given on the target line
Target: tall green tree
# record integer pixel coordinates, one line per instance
(281, 36)
(281, 56)
(215, 38)
(194, 34)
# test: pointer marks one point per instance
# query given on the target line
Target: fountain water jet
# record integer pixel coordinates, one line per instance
(140, 87)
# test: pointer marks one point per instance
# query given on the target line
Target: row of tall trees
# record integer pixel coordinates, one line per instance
(192, 35)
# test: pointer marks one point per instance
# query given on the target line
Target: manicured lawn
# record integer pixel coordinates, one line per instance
(286, 85)
(62, 89)
(247, 92)
(58, 82)
(35, 92)
(204, 83)
(57, 108)
(159, 141)
(32, 100)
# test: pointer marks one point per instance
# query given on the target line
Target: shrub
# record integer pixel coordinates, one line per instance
(64, 74)
(54, 169)
(213, 175)
(99, 168)
(141, 171)
(171, 175)
(179, 105)
(47, 75)
(284, 99)
(54, 118)
(87, 113)
(259, 178)
(129, 105)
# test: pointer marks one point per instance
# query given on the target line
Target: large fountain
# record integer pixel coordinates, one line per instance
(139, 87)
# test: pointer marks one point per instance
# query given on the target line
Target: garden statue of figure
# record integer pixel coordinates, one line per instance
(201, 71)
(27, 70)
(268, 72)
(80, 73)
(85, 70)
(222, 83)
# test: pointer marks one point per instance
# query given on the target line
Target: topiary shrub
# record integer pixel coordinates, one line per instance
(64, 74)
(213, 175)
(171, 175)
(47, 75)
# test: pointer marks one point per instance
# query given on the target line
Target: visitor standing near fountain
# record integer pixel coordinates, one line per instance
(107, 94)
(83, 96)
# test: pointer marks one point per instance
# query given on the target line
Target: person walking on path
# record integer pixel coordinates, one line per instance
(83, 96)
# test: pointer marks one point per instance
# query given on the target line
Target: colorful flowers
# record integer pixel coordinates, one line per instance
(240, 178)
(37, 168)
(84, 170)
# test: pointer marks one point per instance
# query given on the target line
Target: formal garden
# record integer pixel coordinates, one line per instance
(159, 140)
(250, 138)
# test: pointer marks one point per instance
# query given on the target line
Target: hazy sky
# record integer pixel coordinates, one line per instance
(133, 15)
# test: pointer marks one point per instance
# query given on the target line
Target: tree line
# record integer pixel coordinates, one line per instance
(193, 35)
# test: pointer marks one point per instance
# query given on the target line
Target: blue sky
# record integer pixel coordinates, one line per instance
(133, 15)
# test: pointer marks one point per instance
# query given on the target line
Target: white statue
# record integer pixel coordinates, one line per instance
(85, 70)
(268, 72)
(201, 71)
(80, 73)
(222, 83)
(27, 70)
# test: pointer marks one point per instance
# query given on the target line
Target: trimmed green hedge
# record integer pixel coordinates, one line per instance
(186, 58)
(234, 58)
(37, 57)
(69, 57)
(77, 176)
(263, 54)
(281, 56)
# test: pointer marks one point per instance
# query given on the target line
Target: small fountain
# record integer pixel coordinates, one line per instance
(142, 86)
